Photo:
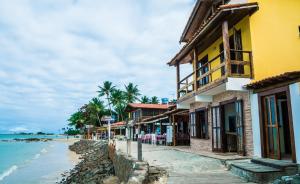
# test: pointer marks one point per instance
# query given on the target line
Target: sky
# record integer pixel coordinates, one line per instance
(54, 54)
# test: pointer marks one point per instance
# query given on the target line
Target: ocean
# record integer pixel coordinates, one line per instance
(34, 162)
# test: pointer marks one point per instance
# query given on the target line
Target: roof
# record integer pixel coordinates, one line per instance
(164, 115)
(117, 124)
(148, 106)
(190, 21)
(222, 11)
(287, 77)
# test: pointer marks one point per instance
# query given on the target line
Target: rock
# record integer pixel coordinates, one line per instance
(33, 139)
(295, 179)
(95, 165)
(111, 180)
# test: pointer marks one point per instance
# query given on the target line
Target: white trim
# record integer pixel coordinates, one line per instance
(295, 106)
(203, 98)
(255, 125)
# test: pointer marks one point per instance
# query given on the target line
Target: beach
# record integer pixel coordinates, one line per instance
(35, 162)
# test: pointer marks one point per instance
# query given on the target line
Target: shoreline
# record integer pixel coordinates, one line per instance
(38, 161)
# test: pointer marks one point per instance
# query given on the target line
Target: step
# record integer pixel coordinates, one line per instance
(255, 172)
(279, 164)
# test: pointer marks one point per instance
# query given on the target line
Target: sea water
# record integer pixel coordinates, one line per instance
(33, 162)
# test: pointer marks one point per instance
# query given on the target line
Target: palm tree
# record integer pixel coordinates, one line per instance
(119, 102)
(145, 100)
(77, 120)
(106, 90)
(154, 100)
(96, 107)
(131, 93)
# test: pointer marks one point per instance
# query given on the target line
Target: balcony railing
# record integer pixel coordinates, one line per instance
(239, 65)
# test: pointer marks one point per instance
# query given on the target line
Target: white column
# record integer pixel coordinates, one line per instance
(295, 104)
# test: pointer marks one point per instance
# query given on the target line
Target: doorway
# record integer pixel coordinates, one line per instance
(227, 126)
(277, 126)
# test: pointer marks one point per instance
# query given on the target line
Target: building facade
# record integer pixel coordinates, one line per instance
(228, 45)
(138, 112)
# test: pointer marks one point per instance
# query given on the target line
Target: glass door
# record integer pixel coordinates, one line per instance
(271, 127)
(216, 129)
(239, 127)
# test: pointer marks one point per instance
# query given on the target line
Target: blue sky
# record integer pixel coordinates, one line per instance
(54, 54)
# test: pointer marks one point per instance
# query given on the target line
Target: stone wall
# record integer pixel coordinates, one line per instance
(130, 170)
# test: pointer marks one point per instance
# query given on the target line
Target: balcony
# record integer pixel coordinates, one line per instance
(215, 72)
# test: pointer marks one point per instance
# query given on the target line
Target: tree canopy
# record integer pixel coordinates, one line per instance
(110, 101)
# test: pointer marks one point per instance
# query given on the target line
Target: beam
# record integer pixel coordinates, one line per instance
(178, 78)
(226, 45)
(195, 59)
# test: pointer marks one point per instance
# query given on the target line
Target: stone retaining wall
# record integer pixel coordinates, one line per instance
(128, 169)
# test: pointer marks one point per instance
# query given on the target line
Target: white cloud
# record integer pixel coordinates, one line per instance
(54, 53)
(18, 129)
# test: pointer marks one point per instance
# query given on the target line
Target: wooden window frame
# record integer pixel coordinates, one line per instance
(260, 96)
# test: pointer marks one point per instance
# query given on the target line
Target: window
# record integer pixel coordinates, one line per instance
(201, 124)
(192, 125)
(203, 68)
(235, 42)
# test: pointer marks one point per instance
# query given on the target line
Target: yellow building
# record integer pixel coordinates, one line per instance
(230, 44)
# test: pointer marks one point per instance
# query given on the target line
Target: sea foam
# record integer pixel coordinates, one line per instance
(8, 172)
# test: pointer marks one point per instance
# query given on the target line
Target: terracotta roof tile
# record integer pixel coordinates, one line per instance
(282, 78)
(120, 123)
(148, 106)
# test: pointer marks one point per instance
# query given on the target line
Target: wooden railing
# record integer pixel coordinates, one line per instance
(186, 85)
(239, 65)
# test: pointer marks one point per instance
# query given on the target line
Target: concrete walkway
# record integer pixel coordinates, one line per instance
(183, 167)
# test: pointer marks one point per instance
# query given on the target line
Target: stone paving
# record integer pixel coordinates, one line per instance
(183, 167)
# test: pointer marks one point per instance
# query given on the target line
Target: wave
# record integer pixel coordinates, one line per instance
(8, 172)
(37, 156)
(44, 150)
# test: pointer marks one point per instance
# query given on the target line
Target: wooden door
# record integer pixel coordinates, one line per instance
(272, 140)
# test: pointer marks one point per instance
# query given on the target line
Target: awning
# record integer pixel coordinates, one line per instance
(153, 121)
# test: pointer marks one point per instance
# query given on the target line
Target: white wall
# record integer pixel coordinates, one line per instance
(237, 1)
(255, 125)
(295, 103)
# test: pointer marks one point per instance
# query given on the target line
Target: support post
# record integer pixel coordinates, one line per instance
(140, 151)
(108, 131)
(178, 78)
(226, 48)
(173, 129)
(195, 59)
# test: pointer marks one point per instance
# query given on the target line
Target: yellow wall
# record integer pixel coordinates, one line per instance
(275, 37)
(213, 50)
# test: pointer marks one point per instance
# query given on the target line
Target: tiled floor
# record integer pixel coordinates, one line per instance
(184, 167)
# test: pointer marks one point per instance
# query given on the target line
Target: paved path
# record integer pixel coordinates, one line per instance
(184, 168)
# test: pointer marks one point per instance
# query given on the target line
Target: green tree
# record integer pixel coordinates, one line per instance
(131, 93)
(77, 120)
(96, 109)
(145, 100)
(119, 102)
(154, 100)
(106, 90)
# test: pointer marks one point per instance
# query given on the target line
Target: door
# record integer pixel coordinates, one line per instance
(239, 127)
(216, 129)
(271, 127)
